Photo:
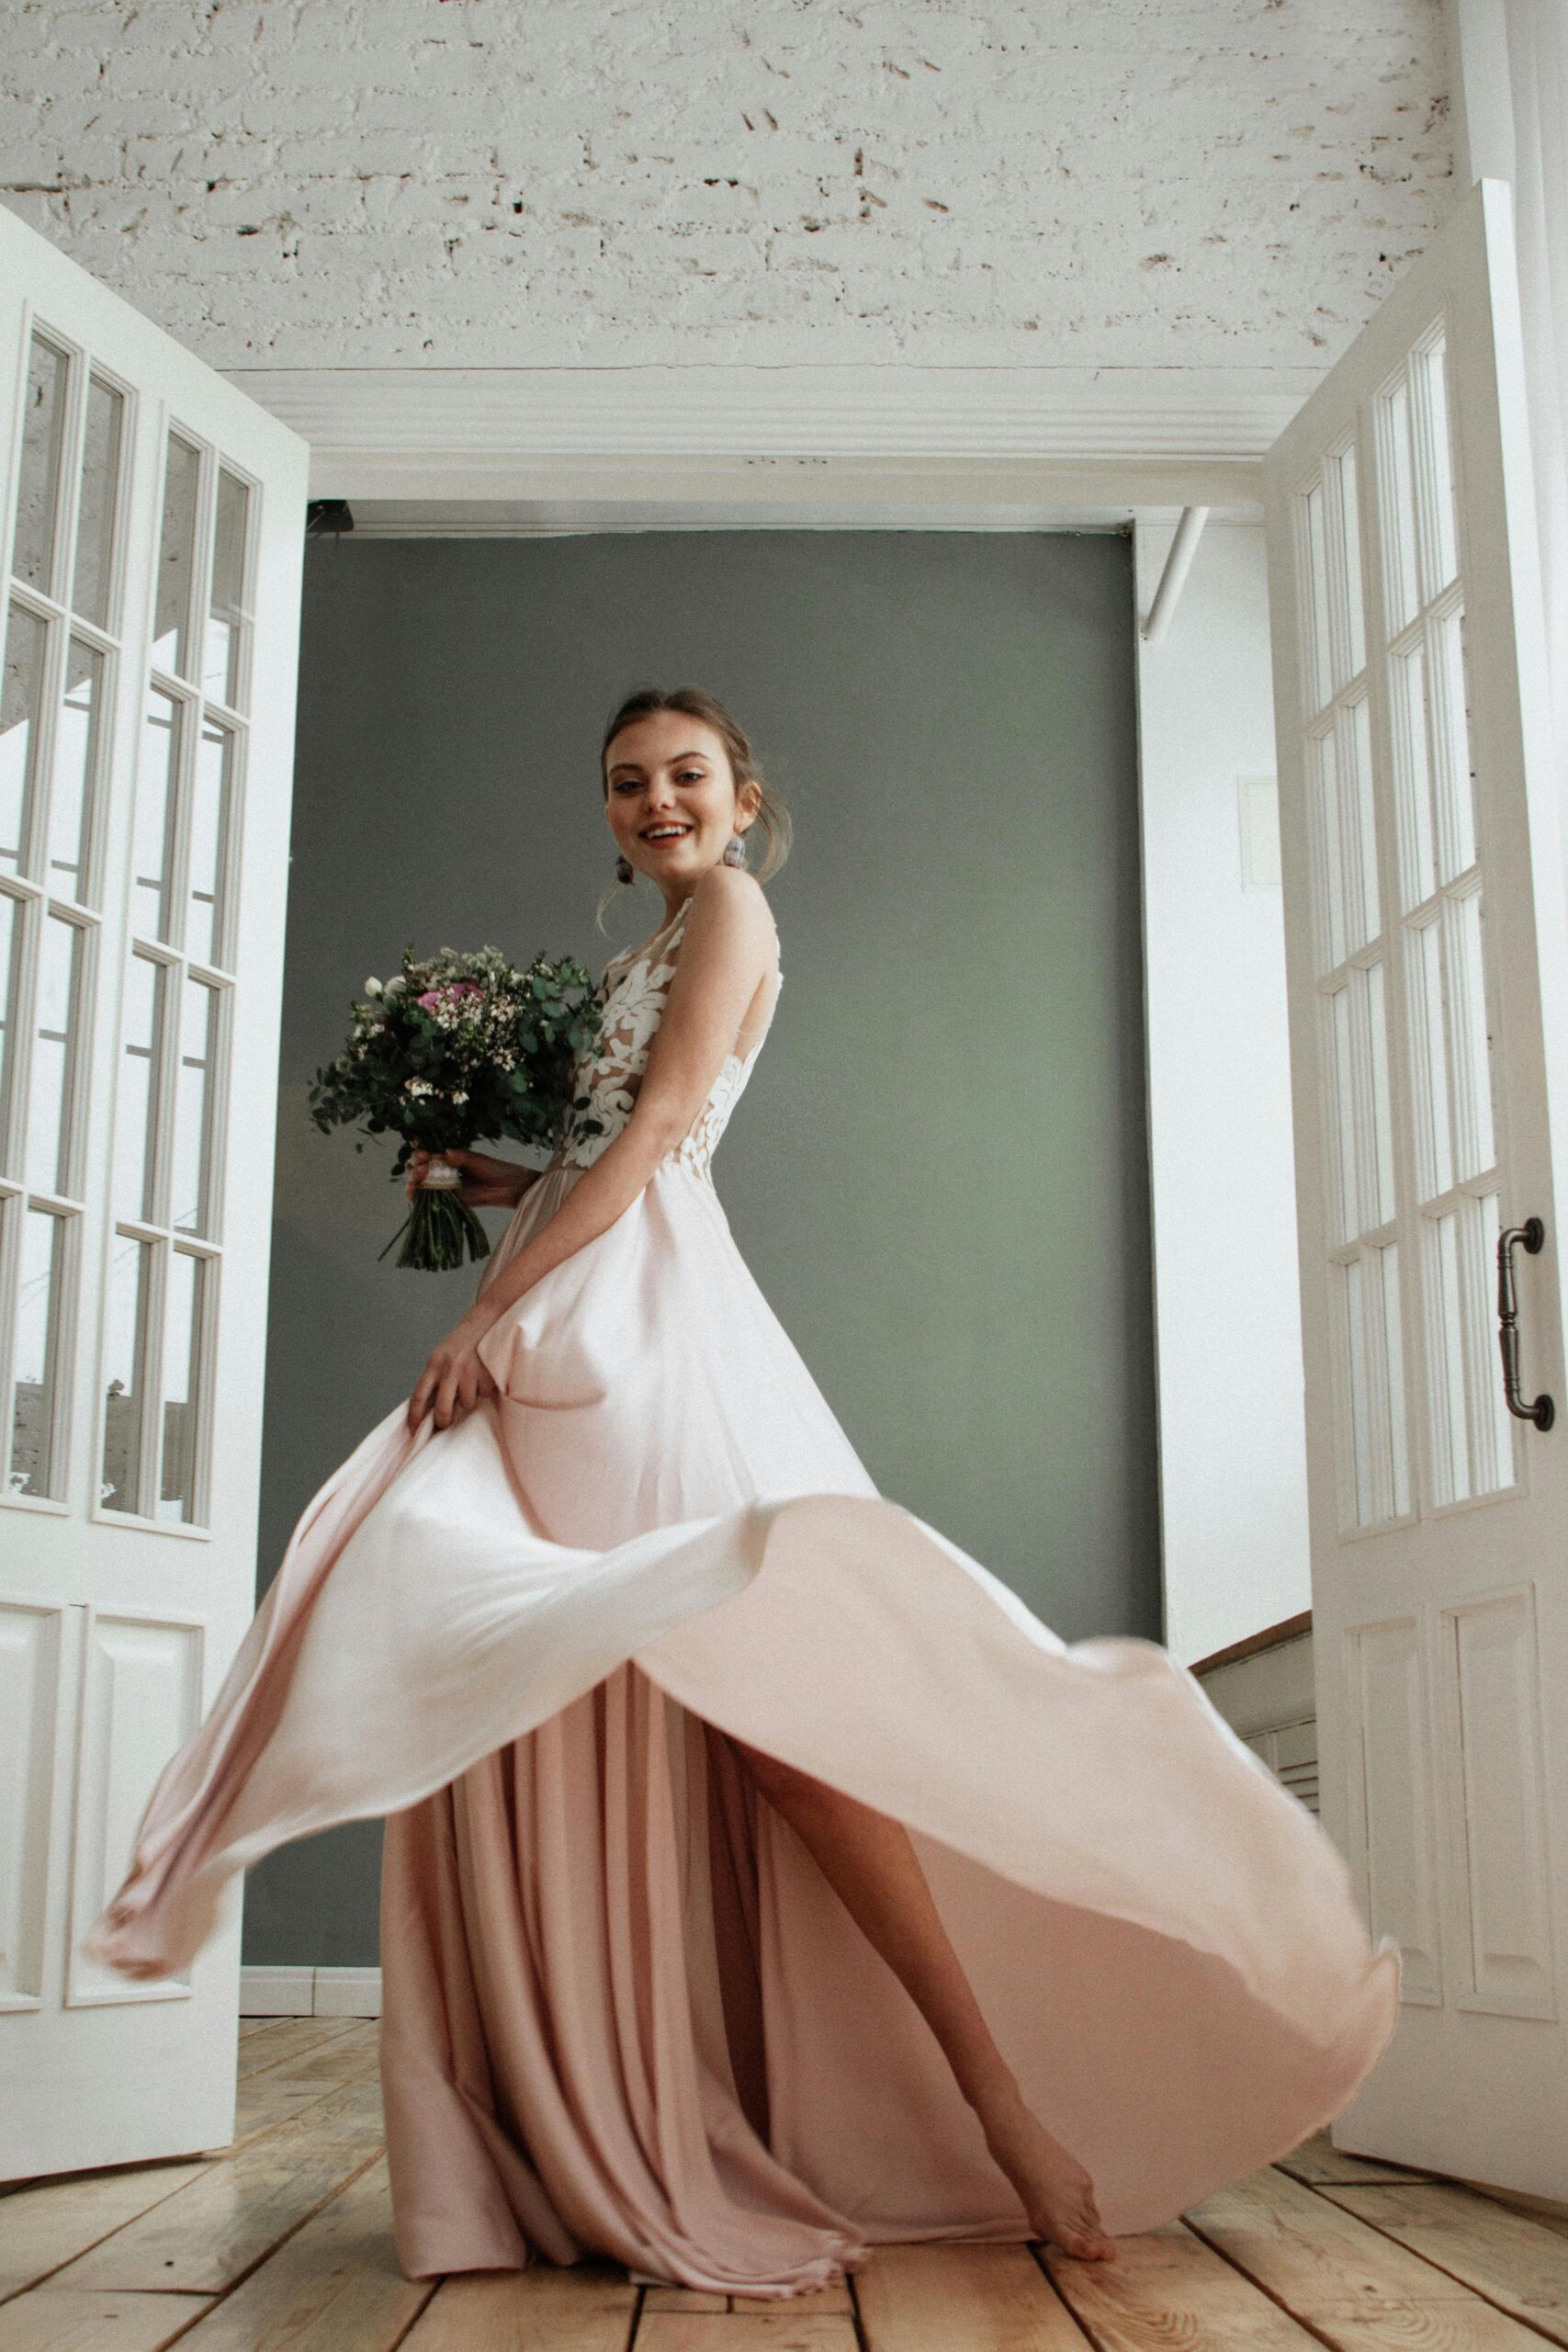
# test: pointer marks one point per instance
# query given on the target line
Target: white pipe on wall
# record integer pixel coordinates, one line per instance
(1178, 564)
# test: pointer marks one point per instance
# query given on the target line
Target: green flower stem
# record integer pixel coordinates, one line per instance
(437, 1230)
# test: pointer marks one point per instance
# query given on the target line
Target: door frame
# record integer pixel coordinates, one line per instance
(550, 452)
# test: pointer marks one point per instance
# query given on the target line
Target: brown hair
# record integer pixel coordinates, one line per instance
(772, 814)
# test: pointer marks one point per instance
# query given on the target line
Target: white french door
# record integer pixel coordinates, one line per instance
(1427, 966)
(151, 521)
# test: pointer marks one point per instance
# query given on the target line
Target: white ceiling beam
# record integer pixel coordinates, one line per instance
(998, 447)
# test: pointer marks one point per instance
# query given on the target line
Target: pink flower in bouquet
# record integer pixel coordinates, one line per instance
(444, 999)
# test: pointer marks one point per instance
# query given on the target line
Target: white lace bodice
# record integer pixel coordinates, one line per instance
(632, 992)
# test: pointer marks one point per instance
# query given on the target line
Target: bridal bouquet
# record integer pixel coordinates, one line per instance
(450, 1049)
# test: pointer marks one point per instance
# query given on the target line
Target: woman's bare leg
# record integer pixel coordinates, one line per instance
(869, 1861)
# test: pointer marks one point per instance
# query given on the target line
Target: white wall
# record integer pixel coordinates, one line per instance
(1233, 1461)
(477, 183)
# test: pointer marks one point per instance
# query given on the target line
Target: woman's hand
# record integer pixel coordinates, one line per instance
(453, 1379)
(488, 1183)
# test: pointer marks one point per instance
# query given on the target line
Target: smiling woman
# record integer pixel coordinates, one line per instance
(684, 773)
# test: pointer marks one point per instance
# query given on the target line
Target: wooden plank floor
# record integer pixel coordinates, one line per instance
(284, 2240)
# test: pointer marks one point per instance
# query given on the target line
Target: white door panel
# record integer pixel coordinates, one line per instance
(152, 528)
(1428, 986)
(32, 1637)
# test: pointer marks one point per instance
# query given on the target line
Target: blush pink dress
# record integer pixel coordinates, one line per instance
(623, 2011)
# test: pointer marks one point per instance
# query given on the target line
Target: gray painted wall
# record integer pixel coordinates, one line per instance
(938, 1174)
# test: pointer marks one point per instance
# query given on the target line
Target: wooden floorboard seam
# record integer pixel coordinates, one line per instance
(250, 2139)
(1515, 2311)
(1096, 2342)
(9, 2294)
(219, 2295)
(336, 2030)
(1292, 2294)
(1298, 2319)
(1519, 2313)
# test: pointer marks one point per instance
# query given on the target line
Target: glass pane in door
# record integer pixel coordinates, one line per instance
(182, 1384)
(152, 912)
(190, 1185)
(51, 1084)
(74, 795)
(136, 1102)
(125, 1373)
(172, 636)
(96, 516)
(21, 705)
(11, 922)
(39, 481)
(34, 1391)
(206, 912)
(221, 667)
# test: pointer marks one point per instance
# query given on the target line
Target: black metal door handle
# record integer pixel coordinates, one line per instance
(1532, 1233)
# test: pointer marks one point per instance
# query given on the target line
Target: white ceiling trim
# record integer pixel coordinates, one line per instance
(571, 447)
(788, 412)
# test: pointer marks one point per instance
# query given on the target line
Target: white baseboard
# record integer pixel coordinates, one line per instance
(310, 1992)
(277, 1992)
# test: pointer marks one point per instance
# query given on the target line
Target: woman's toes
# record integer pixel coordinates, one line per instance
(1091, 2243)
(1084, 2235)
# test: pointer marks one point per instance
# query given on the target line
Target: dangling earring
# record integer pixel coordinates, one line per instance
(624, 869)
(734, 850)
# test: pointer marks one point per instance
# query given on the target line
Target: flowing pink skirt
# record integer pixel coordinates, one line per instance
(624, 2012)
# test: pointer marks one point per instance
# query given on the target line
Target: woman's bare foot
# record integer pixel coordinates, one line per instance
(868, 1858)
(1056, 2193)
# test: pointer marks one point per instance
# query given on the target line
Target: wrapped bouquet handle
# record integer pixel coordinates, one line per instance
(440, 1227)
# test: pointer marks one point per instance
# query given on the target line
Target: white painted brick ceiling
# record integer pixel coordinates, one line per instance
(451, 183)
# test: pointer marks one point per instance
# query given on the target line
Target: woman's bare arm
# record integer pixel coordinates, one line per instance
(727, 950)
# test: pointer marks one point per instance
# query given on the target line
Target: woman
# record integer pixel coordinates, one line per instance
(761, 1879)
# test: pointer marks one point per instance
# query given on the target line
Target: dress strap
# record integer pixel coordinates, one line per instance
(668, 932)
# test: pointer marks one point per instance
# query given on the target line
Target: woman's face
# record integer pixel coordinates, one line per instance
(673, 805)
